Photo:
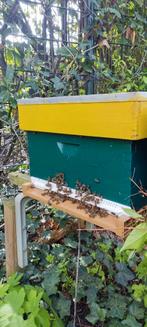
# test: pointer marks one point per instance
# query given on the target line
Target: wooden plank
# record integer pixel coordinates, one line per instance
(10, 236)
(109, 222)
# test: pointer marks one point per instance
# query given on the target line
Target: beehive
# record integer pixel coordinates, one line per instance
(100, 140)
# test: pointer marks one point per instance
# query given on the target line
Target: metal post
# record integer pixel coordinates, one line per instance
(21, 229)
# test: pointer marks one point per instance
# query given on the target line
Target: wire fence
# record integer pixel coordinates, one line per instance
(95, 37)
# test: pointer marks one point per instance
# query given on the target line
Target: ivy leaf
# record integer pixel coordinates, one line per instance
(63, 306)
(117, 306)
(136, 238)
(51, 281)
(70, 243)
(58, 250)
(96, 314)
(112, 11)
(114, 323)
(136, 310)
(124, 275)
(58, 84)
(91, 294)
(122, 278)
(86, 260)
(130, 321)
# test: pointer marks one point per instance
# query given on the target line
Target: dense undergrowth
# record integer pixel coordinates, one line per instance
(110, 286)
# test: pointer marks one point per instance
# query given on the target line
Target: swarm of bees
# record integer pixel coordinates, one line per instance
(82, 191)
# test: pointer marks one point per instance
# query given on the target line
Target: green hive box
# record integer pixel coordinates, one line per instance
(99, 140)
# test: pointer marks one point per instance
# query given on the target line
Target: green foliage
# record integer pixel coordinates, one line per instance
(142, 267)
(111, 286)
(51, 280)
(137, 238)
(137, 241)
(106, 279)
(109, 53)
(140, 293)
(96, 314)
(63, 306)
(130, 321)
(124, 275)
(24, 306)
(117, 306)
(132, 213)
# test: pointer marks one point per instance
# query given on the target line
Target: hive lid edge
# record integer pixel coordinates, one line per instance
(113, 97)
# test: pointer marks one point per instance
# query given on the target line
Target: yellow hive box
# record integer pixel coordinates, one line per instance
(118, 115)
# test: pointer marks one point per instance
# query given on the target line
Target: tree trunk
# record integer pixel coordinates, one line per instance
(51, 34)
(64, 21)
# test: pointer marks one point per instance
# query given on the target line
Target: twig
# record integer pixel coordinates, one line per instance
(95, 46)
(140, 188)
(14, 131)
(19, 140)
(142, 63)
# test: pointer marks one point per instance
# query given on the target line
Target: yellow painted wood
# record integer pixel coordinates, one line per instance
(121, 120)
(142, 122)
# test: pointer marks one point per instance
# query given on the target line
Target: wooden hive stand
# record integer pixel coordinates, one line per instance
(18, 234)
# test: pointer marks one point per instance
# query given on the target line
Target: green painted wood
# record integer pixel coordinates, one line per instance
(103, 164)
(139, 172)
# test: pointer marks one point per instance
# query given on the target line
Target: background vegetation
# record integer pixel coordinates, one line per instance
(68, 47)
(61, 47)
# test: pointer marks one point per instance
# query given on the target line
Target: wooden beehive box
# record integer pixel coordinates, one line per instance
(100, 140)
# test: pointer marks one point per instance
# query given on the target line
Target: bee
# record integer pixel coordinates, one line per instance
(59, 179)
(45, 192)
(67, 190)
(82, 191)
(48, 181)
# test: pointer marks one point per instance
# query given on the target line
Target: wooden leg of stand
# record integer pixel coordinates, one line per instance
(10, 236)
